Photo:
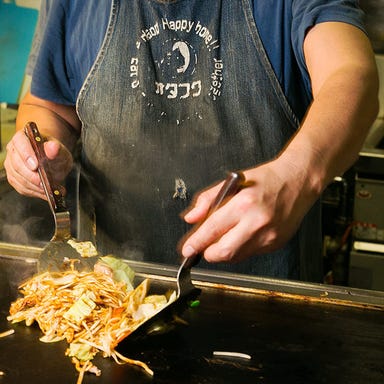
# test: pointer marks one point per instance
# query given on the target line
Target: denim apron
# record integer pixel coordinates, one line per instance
(179, 94)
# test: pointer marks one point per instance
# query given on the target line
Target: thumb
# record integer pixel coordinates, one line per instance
(52, 149)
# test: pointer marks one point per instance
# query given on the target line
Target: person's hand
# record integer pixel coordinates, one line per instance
(259, 219)
(21, 164)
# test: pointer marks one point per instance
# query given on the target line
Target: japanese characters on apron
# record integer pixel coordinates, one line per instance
(179, 94)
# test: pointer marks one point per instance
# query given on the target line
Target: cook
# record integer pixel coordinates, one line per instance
(164, 97)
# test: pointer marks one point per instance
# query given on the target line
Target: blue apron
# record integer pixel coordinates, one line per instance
(179, 94)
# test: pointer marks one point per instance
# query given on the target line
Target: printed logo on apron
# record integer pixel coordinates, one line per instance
(179, 57)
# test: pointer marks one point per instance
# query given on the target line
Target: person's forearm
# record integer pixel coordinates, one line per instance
(345, 92)
(53, 120)
(335, 127)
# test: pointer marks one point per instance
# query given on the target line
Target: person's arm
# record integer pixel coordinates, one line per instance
(54, 120)
(60, 125)
(344, 83)
(263, 216)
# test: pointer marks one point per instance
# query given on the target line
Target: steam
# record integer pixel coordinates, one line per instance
(24, 220)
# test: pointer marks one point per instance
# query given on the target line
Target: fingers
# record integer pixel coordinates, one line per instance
(210, 231)
(21, 167)
(20, 148)
(196, 243)
(259, 219)
(233, 233)
(240, 242)
(202, 205)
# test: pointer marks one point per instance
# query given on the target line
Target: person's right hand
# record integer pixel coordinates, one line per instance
(21, 164)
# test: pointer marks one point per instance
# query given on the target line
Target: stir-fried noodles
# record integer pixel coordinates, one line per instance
(92, 311)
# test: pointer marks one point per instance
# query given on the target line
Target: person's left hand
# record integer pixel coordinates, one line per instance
(259, 219)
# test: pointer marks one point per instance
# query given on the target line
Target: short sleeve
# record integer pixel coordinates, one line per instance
(47, 63)
(307, 13)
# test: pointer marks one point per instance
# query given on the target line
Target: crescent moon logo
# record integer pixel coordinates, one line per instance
(184, 52)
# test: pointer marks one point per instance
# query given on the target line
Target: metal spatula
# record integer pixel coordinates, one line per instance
(58, 254)
(186, 290)
(231, 186)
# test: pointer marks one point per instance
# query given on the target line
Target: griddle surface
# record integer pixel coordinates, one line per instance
(290, 341)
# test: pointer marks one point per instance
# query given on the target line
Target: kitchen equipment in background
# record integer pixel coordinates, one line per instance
(366, 261)
(366, 264)
(369, 209)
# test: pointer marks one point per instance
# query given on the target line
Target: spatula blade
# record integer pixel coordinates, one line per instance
(55, 255)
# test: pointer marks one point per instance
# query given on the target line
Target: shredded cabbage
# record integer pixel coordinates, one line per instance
(121, 271)
(83, 352)
(81, 308)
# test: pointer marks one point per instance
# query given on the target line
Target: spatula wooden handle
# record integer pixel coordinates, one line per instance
(52, 191)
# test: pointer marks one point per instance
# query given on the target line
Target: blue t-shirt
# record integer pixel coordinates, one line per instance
(70, 33)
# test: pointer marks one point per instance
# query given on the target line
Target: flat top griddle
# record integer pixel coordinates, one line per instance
(289, 341)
